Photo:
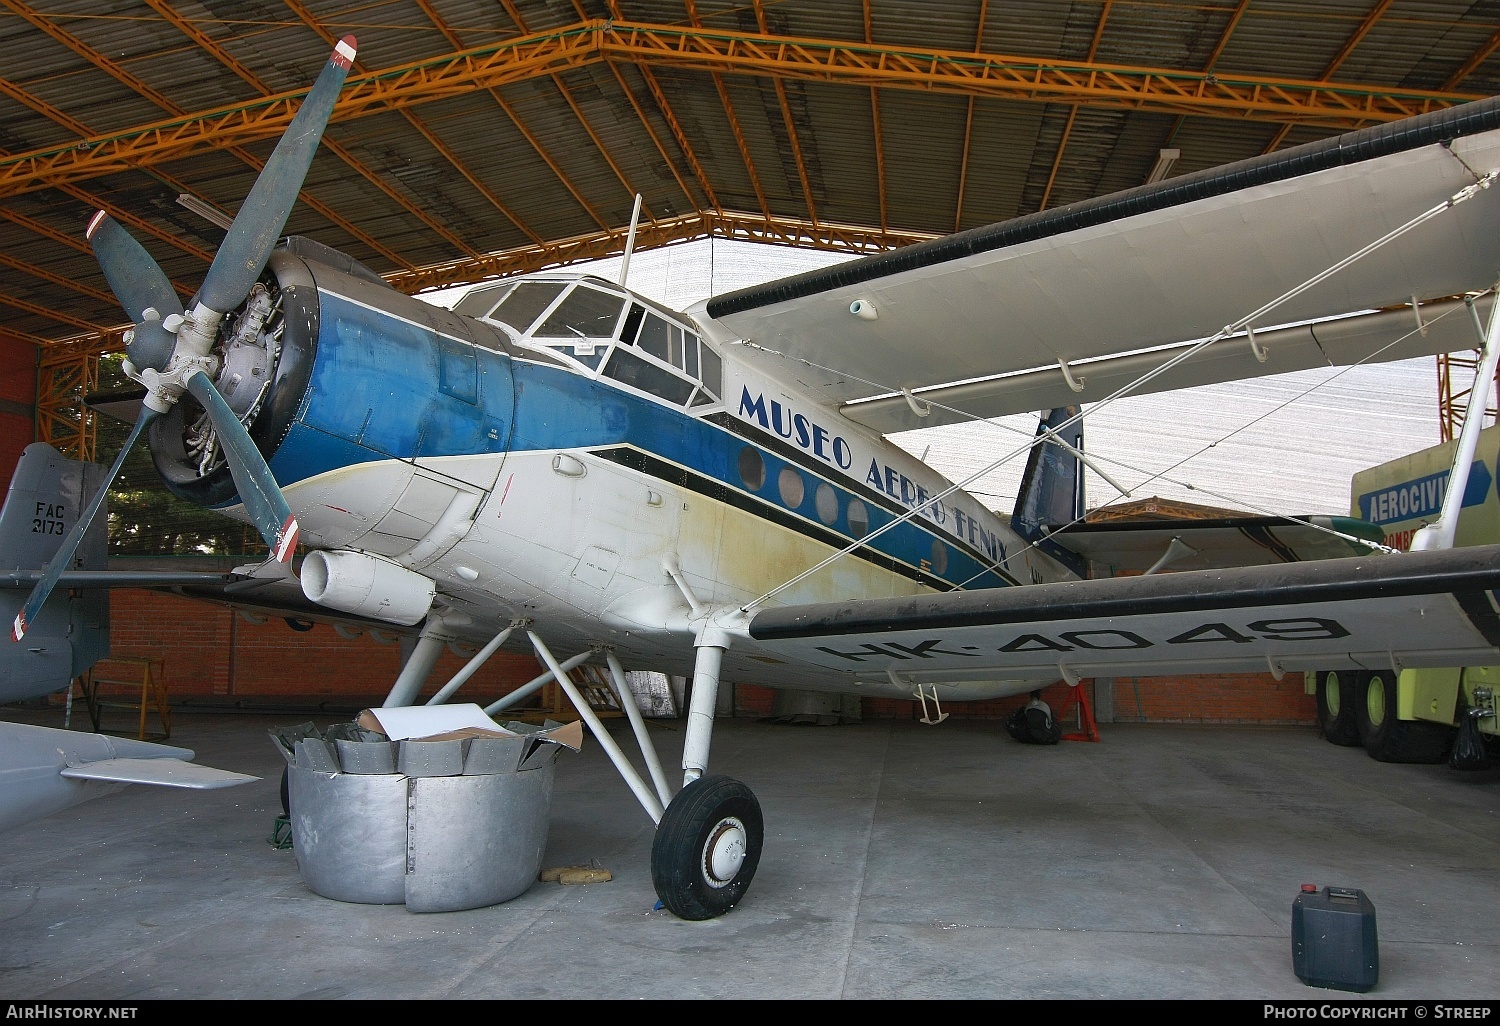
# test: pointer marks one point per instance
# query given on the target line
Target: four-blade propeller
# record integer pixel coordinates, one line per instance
(171, 349)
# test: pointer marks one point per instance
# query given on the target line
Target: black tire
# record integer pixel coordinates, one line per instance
(1388, 739)
(286, 792)
(704, 813)
(1337, 719)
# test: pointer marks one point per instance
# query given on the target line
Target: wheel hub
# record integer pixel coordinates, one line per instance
(724, 852)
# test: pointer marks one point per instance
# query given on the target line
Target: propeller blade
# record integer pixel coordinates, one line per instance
(140, 284)
(64, 557)
(257, 485)
(241, 259)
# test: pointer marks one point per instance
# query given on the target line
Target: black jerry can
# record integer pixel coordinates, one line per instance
(1334, 944)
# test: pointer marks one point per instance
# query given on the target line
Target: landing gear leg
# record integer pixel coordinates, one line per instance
(418, 665)
(708, 843)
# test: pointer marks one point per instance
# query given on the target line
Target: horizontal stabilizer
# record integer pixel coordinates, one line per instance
(119, 579)
(1136, 546)
(165, 772)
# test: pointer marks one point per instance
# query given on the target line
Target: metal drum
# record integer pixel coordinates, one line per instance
(460, 829)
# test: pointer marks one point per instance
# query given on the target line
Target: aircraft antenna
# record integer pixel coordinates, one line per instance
(635, 219)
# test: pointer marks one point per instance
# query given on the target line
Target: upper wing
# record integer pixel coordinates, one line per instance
(1152, 266)
(1413, 609)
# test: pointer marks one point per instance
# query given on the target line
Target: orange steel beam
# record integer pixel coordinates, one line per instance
(791, 126)
(211, 46)
(71, 123)
(1241, 97)
(963, 161)
(1355, 38)
(728, 224)
(1062, 144)
(56, 279)
(1213, 58)
(311, 21)
(734, 121)
(875, 121)
(655, 139)
(64, 376)
(665, 108)
(120, 74)
(734, 225)
(504, 105)
(1479, 57)
(54, 315)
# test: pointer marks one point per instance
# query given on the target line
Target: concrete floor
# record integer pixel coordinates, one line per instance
(901, 861)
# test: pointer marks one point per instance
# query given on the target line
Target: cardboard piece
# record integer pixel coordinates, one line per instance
(456, 723)
(426, 721)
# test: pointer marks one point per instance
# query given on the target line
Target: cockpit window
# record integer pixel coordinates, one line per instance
(585, 313)
(713, 371)
(481, 300)
(527, 303)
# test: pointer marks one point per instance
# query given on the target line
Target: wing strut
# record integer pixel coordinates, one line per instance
(1462, 195)
(1439, 534)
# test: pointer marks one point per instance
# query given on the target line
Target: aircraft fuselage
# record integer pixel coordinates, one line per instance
(553, 459)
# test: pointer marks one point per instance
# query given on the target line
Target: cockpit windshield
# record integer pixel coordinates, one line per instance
(646, 349)
(526, 302)
(586, 313)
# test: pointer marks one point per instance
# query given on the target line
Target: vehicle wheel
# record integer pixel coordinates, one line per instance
(1336, 712)
(286, 792)
(707, 847)
(1388, 739)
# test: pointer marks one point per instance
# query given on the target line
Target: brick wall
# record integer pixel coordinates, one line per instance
(17, 396)
(212, 651)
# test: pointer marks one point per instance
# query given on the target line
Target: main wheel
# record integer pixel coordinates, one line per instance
(707, 847)
(1388, 739)
(1336, 708)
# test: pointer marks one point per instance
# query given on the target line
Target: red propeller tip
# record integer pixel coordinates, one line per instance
(286, 540)
(343, 52)
(94, 223)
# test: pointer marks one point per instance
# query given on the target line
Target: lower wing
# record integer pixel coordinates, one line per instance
(1411, 609)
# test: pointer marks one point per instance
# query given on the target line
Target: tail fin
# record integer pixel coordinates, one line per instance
(46, 495)
(1051, 493)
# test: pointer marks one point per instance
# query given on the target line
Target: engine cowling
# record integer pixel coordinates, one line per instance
(366, 585)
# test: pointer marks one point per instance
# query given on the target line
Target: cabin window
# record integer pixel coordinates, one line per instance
(752, 468)
(527, 302)
(939, 556)
(827, 502)
(789, 484)
(625, 366)
(585, 313)
(859, 519)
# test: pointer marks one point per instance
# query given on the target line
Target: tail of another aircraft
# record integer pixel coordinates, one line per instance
(1051, 494)
(72, 632)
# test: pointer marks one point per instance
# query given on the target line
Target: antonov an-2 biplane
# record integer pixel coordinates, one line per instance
(561, 463)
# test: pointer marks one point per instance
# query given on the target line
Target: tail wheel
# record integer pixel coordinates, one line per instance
(1389, 739)
(707, 848)
(1337, 698)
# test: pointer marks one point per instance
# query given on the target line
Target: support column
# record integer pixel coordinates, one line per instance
(712, 644)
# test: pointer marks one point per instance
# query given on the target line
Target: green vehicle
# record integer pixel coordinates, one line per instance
(1404, 715)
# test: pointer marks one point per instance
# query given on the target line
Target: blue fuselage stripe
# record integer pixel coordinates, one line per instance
(383, 388)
